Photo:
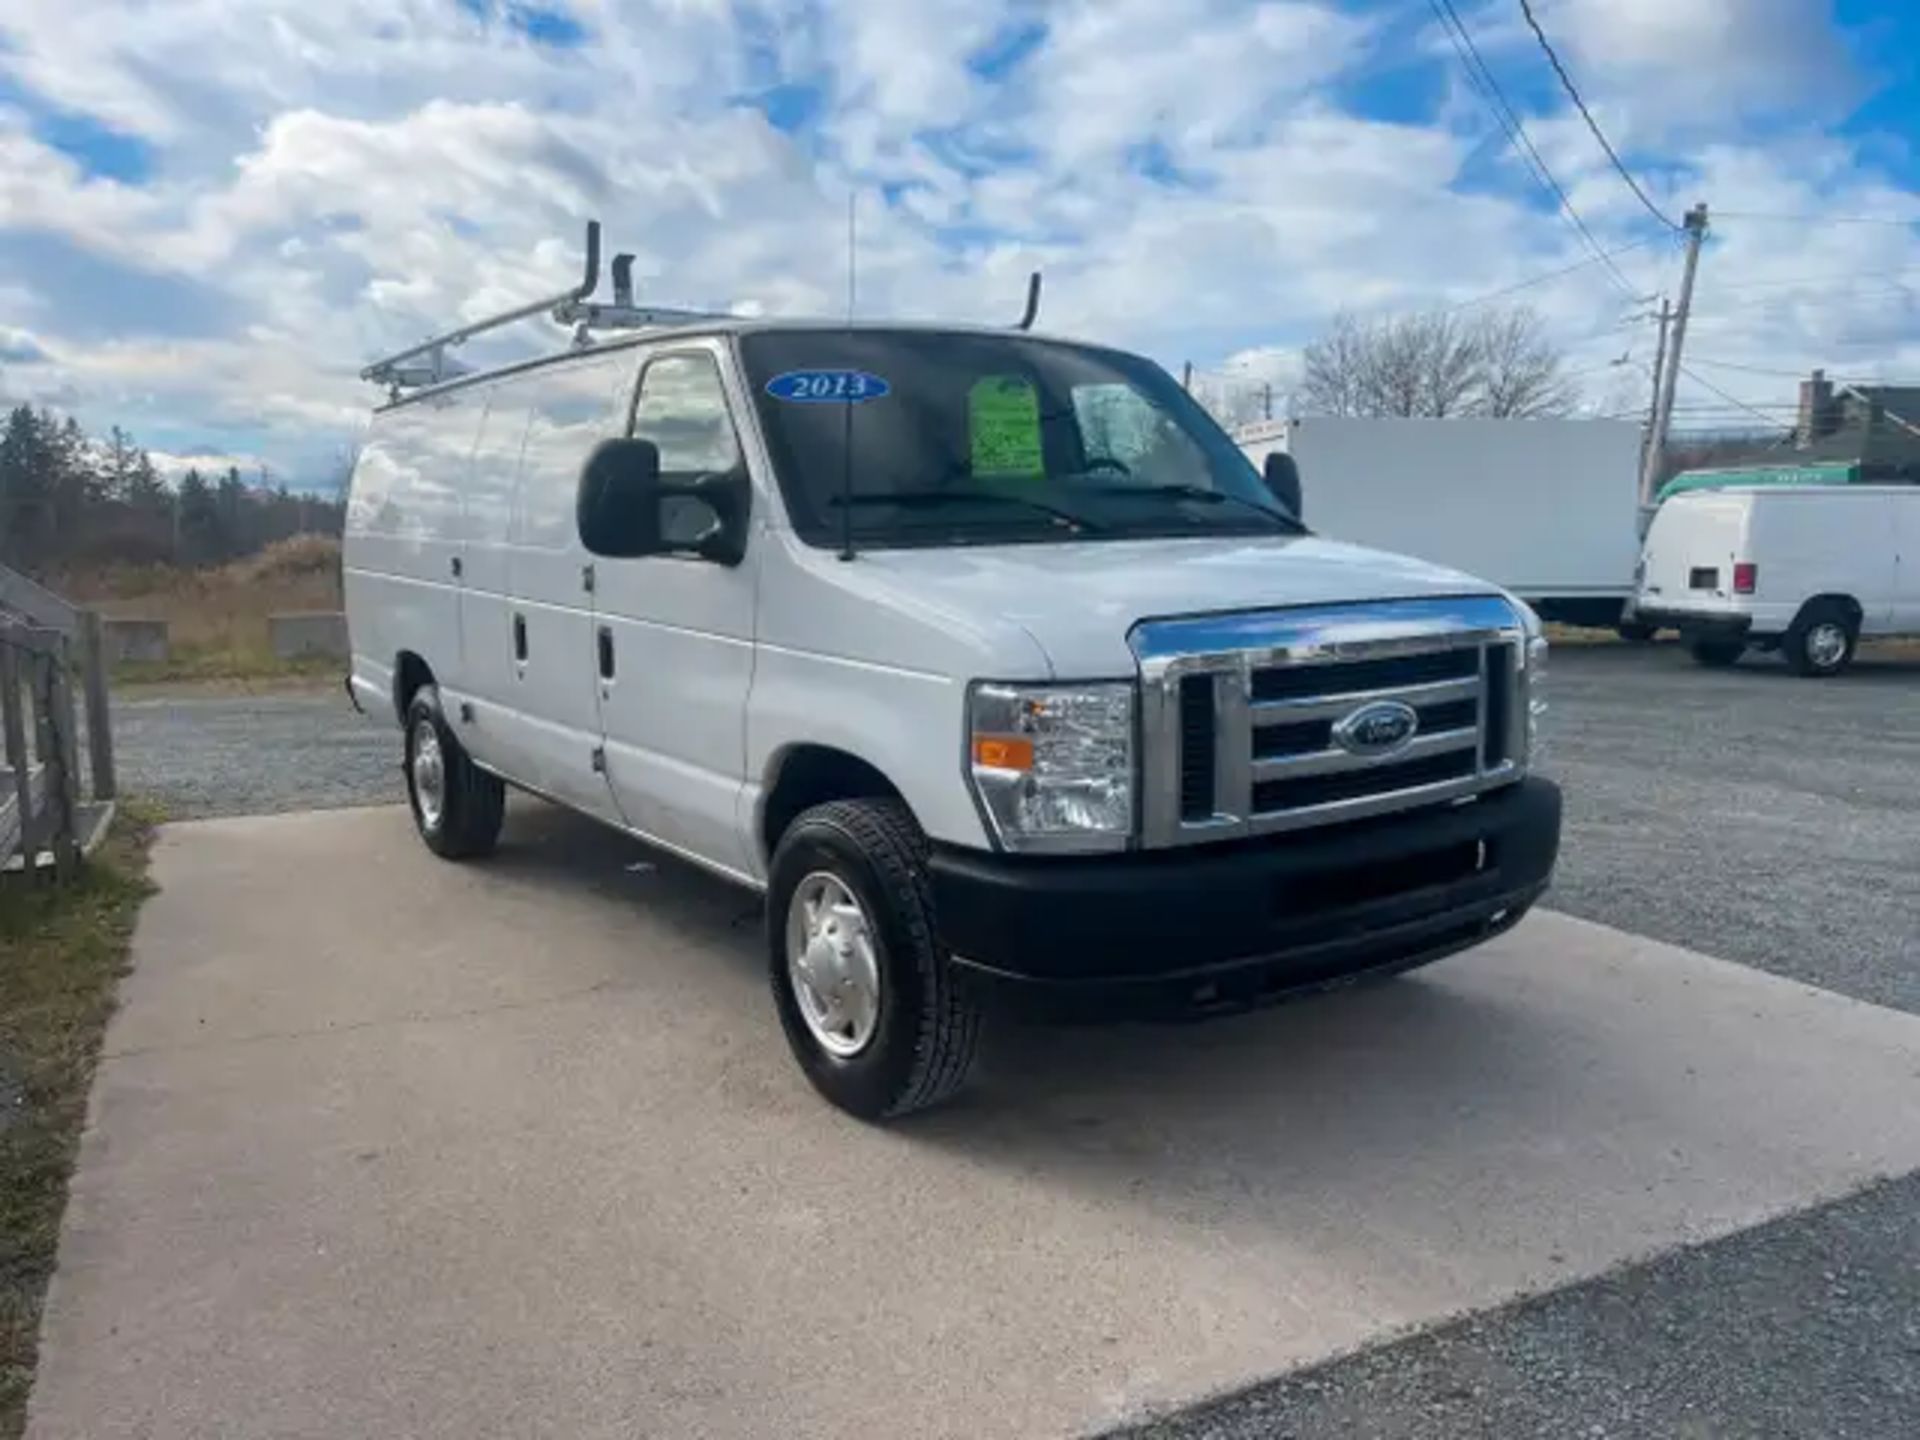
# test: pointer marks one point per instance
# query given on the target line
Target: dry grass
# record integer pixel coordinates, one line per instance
(217, 619)
(62, 951)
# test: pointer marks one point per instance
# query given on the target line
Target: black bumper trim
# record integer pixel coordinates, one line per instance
(1186, 920)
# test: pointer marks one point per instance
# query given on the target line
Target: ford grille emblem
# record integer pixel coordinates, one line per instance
(1376, 729)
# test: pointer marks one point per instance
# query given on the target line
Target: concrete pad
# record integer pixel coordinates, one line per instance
(386, 1146)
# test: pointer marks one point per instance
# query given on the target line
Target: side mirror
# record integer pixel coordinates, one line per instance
(625, 511)
(1282, 475)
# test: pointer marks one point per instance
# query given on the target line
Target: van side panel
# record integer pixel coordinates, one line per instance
(569, 408)
(402, 538)
(1906, 575)
(1832, 542)
(487, 502)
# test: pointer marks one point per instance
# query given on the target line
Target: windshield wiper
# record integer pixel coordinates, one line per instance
(929, 499)
(1206, 497)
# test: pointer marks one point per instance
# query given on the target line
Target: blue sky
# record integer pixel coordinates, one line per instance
(213, 211)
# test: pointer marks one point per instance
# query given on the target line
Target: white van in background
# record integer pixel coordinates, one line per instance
(1808, 570)
(987, 657)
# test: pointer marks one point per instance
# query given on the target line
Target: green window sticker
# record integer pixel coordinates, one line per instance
(1003, 419)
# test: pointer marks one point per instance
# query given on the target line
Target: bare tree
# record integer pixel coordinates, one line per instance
(1334, 368)
(1436, 365)
(1521, 375)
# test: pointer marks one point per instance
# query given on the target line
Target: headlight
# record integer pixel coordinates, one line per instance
(1053, 764)
(1536, 697)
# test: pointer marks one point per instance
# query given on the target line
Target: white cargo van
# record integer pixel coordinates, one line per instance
(987, 657)
(1804, 569)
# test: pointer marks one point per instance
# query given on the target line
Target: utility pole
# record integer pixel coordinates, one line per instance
(1186, 377)
(1696, 228)
(1266, 401)
(1653, 400)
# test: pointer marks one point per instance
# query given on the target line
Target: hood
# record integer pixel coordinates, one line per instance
(1080, 600)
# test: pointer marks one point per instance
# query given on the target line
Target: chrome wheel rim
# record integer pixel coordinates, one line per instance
(833, 964)
(429, 775)
(1826, 644)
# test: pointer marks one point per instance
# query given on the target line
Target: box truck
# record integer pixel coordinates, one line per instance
(1547, 509)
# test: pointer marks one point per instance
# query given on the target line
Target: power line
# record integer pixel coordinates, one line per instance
(1489, 89)
(1574, 95)
(1595, 259)
(1837, 279)
(1812, 218)
(1748, 369)
(1732, 400)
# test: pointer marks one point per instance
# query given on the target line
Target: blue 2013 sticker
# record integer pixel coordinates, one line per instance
(819, 387)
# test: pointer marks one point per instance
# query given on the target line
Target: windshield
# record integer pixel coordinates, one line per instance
(966, 438)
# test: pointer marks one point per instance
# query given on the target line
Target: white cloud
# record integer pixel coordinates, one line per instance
(1192, 175)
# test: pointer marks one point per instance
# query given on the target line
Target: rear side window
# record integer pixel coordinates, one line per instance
(571, 407)
(407, 481)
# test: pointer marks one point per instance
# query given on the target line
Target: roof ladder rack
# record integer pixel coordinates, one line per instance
(428, 363)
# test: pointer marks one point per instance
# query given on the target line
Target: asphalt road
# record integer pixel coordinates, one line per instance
(1747, 814)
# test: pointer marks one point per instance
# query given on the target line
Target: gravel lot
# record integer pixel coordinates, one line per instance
(1748, 814)
(202, 752)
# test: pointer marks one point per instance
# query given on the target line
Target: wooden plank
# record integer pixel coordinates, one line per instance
(39, 604)
(63, 772)
(92, 652)
(13, 729)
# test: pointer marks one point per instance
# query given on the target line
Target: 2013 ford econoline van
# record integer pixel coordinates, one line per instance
(1804, 569)
(988, 658)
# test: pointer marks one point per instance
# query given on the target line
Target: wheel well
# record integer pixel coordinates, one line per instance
(812, 775)
(1846, 602)
(410, 672)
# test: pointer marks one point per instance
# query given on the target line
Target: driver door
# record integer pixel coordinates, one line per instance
(674, 633)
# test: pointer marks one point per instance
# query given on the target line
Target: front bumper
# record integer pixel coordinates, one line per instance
(1235, 924)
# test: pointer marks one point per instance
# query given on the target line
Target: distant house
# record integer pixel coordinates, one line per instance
(1874, 426)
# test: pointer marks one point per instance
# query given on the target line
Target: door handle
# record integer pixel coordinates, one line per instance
(455, 566)
(606, 652)
(520, 638)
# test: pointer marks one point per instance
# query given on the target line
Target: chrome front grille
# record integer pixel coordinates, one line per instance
(1242, 715)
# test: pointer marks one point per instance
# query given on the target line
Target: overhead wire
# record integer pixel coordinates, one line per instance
(1813, 218)
(1732, 400)
(1488, 87)
(1544, 277)
(1579, 104)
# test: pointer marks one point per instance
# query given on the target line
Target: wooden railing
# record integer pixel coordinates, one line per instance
(46, 645)
(40, 814)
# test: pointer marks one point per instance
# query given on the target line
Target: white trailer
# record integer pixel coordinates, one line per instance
(1546, 508)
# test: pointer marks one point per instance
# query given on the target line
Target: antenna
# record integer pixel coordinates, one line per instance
(846, 431)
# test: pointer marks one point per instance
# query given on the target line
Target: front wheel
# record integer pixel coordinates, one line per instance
(457, 806)
(874, 1013)
(1821, 641)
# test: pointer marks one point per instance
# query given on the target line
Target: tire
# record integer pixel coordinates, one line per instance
(922, 1027)
(1821, 640)
(1717, 654)
(1635, 632)
(463, 819)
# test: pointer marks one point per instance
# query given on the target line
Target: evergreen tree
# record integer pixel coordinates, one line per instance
(199, 521)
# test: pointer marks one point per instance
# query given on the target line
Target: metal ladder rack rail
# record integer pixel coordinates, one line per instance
(571, 307)
(568, 307)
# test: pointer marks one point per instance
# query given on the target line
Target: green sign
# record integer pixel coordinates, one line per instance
(1003, 420)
